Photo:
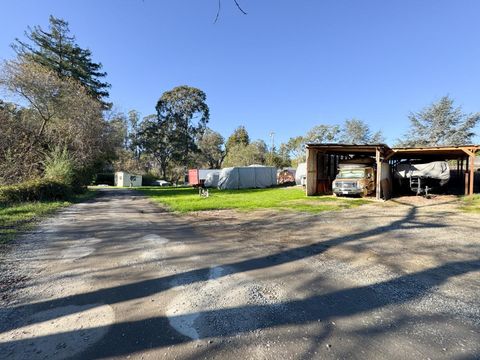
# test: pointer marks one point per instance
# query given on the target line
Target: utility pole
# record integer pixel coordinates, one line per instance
(272, 136)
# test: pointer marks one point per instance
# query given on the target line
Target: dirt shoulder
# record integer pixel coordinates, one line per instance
(407, 234)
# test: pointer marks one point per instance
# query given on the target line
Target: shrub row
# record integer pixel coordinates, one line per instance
(34, 190)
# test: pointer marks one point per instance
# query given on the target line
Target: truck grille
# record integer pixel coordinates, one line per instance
(346, 184)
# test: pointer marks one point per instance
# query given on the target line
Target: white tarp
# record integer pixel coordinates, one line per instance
(247, 177)
(301, 174)
(211, 179)
(203, 173)
(435, 170)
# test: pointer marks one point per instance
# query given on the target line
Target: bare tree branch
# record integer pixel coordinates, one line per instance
(218, 11)
(220, 6)
(239, 8)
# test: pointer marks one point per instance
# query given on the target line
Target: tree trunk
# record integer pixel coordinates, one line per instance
(163, 167)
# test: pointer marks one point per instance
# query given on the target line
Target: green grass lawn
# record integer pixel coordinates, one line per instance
(24, 216)
(187, 199)
(471, 204)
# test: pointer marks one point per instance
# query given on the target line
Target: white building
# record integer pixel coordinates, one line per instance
(125, 179)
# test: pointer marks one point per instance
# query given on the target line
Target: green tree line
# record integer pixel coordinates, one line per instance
(58, 123)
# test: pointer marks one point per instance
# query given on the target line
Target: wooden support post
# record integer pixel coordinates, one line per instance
(470, 170)
(311, 186)
(466, 177)
(472, 175)
(378, 190)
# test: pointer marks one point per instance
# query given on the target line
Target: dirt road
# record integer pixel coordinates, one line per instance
(120, 278)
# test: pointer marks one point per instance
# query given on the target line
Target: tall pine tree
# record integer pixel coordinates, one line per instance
(57, 50)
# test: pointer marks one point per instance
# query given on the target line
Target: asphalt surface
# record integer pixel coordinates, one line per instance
(118, 277)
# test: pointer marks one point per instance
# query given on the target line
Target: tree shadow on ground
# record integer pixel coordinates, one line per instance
(133, 336)
(128, 337)
(149, 287)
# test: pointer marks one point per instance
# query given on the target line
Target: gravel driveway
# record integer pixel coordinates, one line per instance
(119, 277)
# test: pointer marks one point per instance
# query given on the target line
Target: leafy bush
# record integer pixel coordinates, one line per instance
(35, 190)
(59, 166)
(84, 176)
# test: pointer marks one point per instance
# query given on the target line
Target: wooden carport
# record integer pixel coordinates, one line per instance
(323, 160)
(462, 154)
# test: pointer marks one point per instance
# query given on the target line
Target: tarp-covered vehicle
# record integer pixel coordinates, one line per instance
(286, 176)
(423, 177)
(211, 180)
(301, 174)
(248, 177)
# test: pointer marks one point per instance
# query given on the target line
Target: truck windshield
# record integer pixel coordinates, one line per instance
(351, 174)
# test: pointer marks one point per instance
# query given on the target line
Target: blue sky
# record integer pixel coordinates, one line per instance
(284, 67)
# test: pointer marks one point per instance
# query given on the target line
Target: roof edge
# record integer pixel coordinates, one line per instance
(347, 145)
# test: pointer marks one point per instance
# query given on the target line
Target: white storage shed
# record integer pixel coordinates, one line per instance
(125, 179)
